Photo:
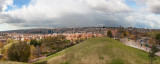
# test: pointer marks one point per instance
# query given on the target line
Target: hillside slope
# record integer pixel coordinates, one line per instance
(99, 51)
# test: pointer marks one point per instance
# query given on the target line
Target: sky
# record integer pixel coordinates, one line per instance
(26, 14)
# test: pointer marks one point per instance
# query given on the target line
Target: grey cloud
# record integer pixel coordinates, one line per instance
(69, 13)
(1, 5)
(77, 13)
(156, 9)
(79, 20)
(152, 5)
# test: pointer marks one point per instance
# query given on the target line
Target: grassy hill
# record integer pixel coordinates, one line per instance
(99, 51)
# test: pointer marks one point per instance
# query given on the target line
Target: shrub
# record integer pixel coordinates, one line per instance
(19, 52)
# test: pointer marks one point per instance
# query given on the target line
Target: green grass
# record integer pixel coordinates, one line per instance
(99, 51)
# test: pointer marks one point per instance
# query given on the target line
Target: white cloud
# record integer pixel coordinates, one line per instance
(51, 12)
(4, 3)
(142, 20)
(62, 13)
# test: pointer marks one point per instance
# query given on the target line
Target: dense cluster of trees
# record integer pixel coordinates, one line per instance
(55, 44)
(35, 42)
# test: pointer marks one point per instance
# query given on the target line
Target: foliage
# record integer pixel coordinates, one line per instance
(54, 44)
(122, 33)
(154, 49)
(1, 45)
(61, 37)
(35, 42)
(5, 49)
(158, 38)
(19, 52)
(9, 41)
(132, 37)
(33, 51)
(109, 33)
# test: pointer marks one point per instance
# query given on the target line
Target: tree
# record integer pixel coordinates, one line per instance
(154, 49)
(35, 42)
(1, 45)
(19, 52)
(33, 51)
(61, 37)
(158, 38)
(38, 51)
(9, 41)
(109, 34)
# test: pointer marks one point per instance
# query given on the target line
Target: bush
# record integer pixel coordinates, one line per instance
(19, 52)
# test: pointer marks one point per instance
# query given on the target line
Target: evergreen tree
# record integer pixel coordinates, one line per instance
(158, 38)
(152, 52)
(109, 34)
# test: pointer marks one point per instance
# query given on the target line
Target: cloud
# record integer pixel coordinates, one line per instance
(62, 12)
(151, 5)
(154, 6)
(77, 13)
(4, 3)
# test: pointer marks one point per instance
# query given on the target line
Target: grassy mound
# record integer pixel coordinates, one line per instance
(99, 51)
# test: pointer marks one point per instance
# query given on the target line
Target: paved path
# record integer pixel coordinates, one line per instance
(134, 44)
(36, 59)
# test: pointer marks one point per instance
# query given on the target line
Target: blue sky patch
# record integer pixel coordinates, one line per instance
(132, 4)
(18, 4)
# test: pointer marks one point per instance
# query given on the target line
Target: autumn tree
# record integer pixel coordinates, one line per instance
(19, 52)
(1, 45)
